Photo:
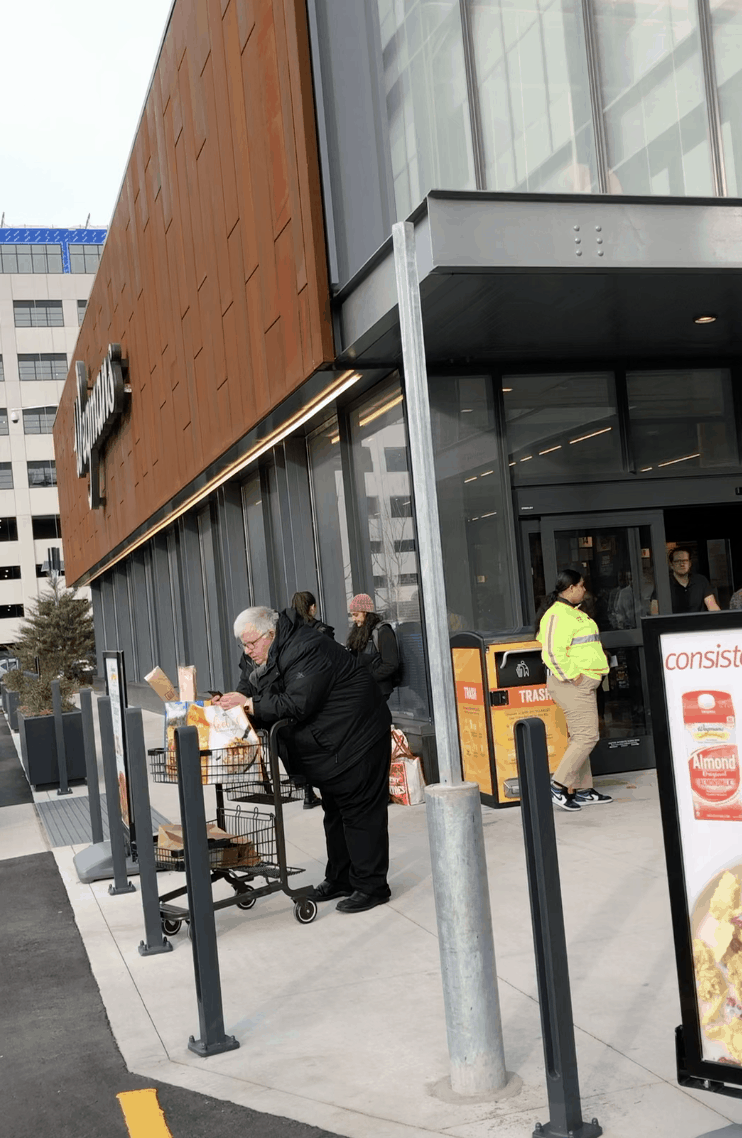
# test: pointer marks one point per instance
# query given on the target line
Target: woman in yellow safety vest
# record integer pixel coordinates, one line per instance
(575, 663)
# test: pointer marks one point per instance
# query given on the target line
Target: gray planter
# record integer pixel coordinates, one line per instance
(13, 698)
(39, 748)
(4, 692)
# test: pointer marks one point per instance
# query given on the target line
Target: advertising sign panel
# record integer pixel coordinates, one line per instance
(695, 678)
(116, 690)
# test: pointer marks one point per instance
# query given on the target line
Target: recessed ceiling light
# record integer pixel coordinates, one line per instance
(709, 319)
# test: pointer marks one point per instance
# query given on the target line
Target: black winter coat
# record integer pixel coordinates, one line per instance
(382, 662)
(338, 710)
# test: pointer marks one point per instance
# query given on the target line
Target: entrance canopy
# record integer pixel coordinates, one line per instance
(508, 277)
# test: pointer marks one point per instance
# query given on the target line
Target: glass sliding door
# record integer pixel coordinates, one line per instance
(331, 527)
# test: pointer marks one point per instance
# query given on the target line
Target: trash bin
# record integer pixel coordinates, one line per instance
(500, 680)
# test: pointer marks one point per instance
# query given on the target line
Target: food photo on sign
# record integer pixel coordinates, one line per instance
(702, 675)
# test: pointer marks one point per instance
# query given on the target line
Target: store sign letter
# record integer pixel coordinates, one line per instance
(97, 412)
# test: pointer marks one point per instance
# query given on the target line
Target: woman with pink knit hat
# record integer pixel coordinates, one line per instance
(372, 641)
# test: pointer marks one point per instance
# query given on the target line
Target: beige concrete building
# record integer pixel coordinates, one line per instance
(45, 280)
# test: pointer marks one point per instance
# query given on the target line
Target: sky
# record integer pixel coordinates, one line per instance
(73, 80)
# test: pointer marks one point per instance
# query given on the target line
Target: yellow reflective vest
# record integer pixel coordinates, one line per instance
(570, 643)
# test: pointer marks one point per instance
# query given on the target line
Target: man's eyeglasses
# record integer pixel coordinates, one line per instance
(248, 644)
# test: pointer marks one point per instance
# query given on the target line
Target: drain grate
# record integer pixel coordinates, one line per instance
(67, 823)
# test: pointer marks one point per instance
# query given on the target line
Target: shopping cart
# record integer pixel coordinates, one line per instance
(244, 843)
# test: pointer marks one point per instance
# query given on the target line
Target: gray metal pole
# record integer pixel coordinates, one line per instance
(115, 821)
(212, 1040)
(459, 869)
(63, 787)
(155, 942)
(91, 764)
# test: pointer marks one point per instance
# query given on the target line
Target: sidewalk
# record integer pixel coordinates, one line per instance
(341, 1022)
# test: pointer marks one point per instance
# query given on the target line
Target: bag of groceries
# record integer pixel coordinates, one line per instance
(406, 780)
(226, 734)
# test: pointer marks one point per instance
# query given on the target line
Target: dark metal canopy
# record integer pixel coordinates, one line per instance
(506, 277)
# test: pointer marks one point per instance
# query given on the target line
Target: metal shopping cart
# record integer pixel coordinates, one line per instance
(245, 842)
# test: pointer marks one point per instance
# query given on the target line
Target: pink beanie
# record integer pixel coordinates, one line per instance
(361, 603)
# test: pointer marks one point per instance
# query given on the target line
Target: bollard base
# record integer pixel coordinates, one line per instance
(128, 888)
(591, 1129)
(155, 949)
(228, 1043)
(67, 791)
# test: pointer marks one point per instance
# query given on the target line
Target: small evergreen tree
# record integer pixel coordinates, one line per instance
(58, 629)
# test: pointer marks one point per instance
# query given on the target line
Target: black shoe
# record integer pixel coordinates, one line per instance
(560, 797)
(310, 799)
(590, 796)
(358, 902)
(328, 891)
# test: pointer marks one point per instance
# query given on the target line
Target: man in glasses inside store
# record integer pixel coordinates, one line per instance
(691, 592)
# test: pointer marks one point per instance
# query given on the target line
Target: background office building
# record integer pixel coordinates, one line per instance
(570, 170)
(45, 281)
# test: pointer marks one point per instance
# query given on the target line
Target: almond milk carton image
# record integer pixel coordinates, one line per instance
(714, 767)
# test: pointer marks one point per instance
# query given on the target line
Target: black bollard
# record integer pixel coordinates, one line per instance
(63, 787)
(550, 942)
(200, 902)
(155, 942)
(91, 764)
(115, 821)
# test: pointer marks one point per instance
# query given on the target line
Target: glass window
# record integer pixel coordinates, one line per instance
(389, 571)
(42, 473)
(427, 104)
(471, 504)
(8, 529)
(331, 527)
(3, 420)
(653, 97)
(2, 370)
(562, 426)
(81, 307)
(726, 22)
(45, 527)
(84, 258)
(38, 313)
(681, 420)
(10, 573)
(534, 95)
(6, 476)
(252, 510)
(31, 258)
(11, 610)
(38, 420)
(42, 365)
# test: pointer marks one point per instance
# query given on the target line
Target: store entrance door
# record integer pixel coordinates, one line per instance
(622, 560)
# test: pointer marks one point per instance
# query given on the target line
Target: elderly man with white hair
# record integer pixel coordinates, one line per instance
(339, 740)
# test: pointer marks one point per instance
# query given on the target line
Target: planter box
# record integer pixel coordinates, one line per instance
(39, 748)
(4, 692)
(11, 699)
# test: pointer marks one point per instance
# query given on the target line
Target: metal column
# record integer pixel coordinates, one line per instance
(466, 943)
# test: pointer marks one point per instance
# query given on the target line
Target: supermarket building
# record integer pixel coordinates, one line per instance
(572, 174)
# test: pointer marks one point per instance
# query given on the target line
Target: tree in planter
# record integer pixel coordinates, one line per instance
(59, 631)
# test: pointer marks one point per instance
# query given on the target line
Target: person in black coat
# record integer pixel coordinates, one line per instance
(372, 641)
(340, 741)
(305, 604)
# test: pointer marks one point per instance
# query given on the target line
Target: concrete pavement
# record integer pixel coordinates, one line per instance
(341, 1022)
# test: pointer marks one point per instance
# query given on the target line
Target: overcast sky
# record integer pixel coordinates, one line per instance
(73, 78)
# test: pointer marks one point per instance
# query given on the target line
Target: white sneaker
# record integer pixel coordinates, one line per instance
(561, 798)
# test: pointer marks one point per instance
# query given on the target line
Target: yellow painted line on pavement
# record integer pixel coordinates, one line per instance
(143, 1114)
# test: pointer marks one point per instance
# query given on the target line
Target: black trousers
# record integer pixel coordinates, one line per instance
(356, 805)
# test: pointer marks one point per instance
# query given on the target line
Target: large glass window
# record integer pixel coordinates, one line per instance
(471, 504)
(681, 420)
(726, 20)
(534, 96)
(42, 365)
(252, 512)
(331, 530)
(653, 97)
(427, 105)
(42, 472)
(31, 258)
(38, 420)
(38, 314)
(562, 426)
(85, 258)
(387, 536)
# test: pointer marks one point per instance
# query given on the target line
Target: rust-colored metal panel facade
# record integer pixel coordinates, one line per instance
(214, 276)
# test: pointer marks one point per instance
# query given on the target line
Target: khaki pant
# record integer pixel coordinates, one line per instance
(580, 706)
